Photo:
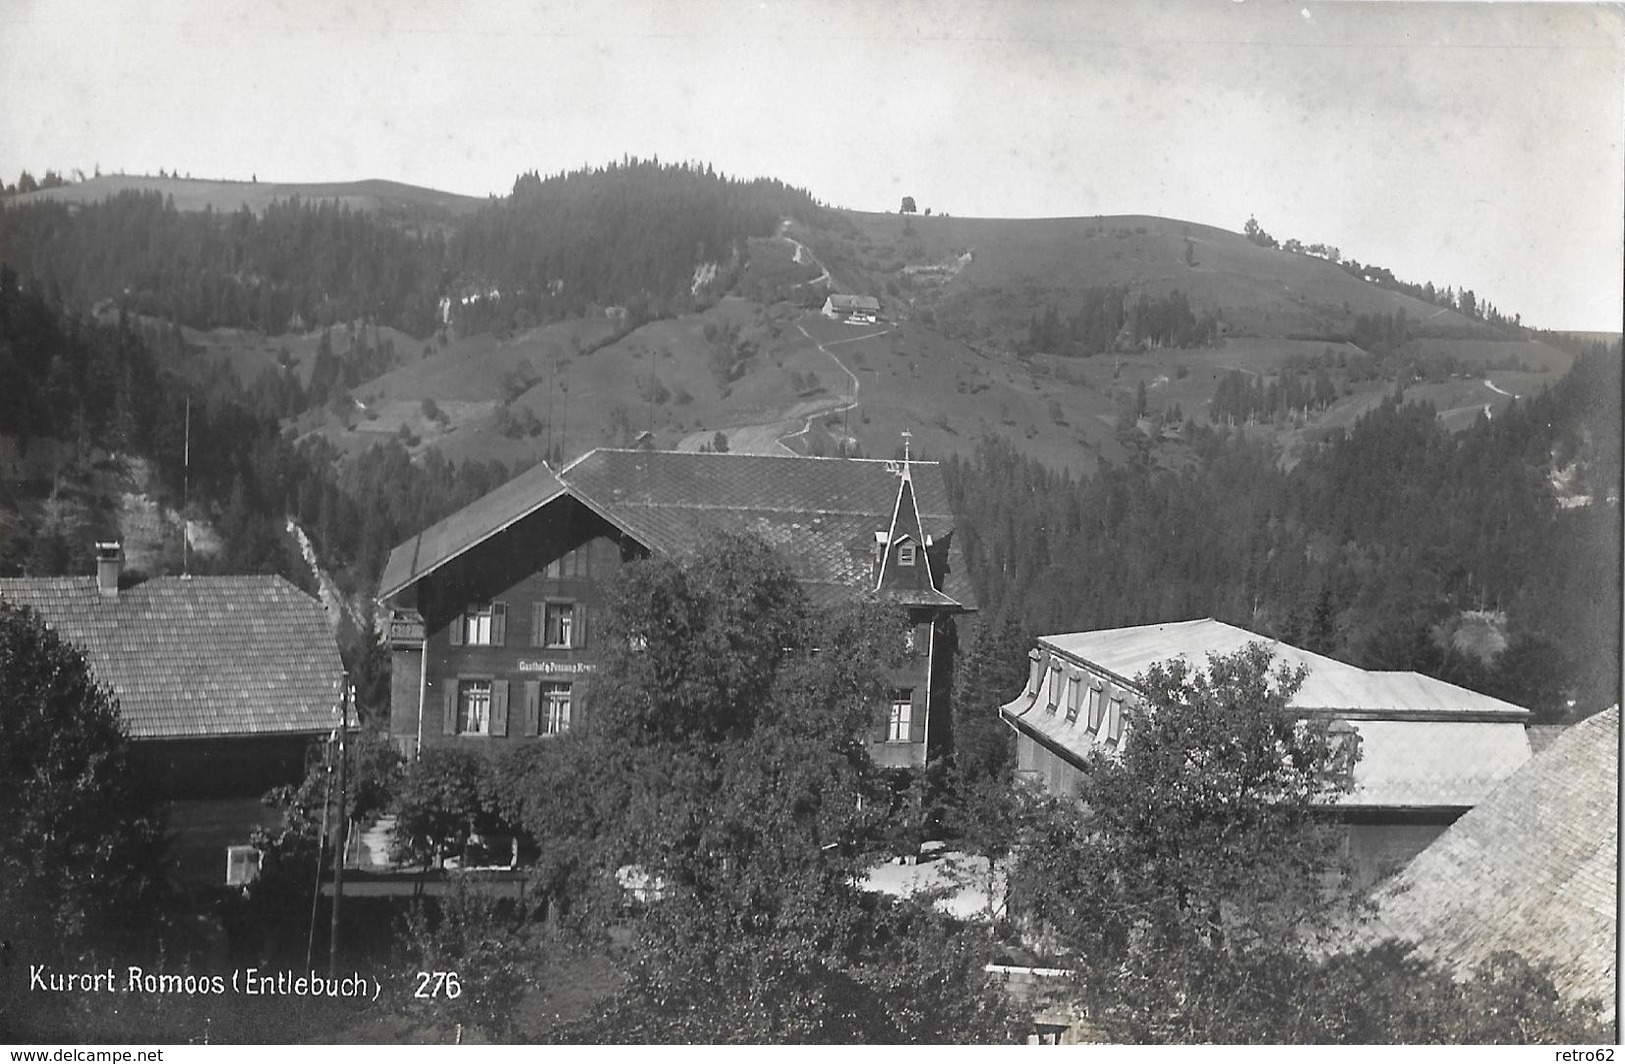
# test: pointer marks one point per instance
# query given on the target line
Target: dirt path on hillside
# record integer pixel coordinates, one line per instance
(768, 437)
(856, 384)
(803, 255)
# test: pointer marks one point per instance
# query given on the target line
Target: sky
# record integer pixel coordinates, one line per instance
(1474, 145)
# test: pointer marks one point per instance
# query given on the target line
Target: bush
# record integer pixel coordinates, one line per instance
(476, 950)
(441, 805)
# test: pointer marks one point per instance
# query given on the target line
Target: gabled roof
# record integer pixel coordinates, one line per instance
(846, 302)
(480, 519)
(1533, 869)
(823, 511)
(1424, 744)
(199, 657)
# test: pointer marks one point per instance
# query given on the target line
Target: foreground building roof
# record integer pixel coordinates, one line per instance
(199, 657)
(1533, 869)
(823, 513)
(1424, 744)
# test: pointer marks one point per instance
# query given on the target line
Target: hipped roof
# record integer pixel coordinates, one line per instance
(1332, 686)
(1424, 744)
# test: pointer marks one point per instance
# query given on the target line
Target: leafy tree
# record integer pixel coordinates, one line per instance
(1257, 235)
(727, 765)
(908, 205)
(79, 847)
(719, 442)
(1207, 831)
(441, 804)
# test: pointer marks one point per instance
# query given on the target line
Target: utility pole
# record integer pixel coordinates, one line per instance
(341, 815)
(186, 485)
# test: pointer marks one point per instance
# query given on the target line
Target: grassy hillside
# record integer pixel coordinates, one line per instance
(985, 277)
(944, 363)
(566, 388)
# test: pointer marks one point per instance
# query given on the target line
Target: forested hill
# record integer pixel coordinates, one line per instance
(1489, 558)
(631, 234)
(637, 233)
(98, 401)
(297, 264)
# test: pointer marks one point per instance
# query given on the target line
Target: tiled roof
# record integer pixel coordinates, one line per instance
(195, 657)
(486, 516)
(1534, 869)
(823, 512)
(1423, 743)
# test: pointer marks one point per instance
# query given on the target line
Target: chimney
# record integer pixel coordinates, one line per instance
(109, 561)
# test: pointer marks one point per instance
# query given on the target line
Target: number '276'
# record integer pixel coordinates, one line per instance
(438, 984)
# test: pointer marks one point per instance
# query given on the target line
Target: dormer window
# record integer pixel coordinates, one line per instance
(905, 553)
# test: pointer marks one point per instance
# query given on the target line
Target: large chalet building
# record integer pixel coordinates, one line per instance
(1429, 750)
(494, 611)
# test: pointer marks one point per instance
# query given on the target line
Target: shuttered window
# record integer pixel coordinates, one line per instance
(482, 625)
(476, 707)
(559, 625)
(473, 707)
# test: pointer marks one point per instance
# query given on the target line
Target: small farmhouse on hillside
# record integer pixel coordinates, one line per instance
(1533, 869)
(855, 310)
(495, 610)
(222, 682)
(1430, 751)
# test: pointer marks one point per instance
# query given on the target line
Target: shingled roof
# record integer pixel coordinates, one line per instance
(823, 511)
(1533, 869)
(199, 657)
